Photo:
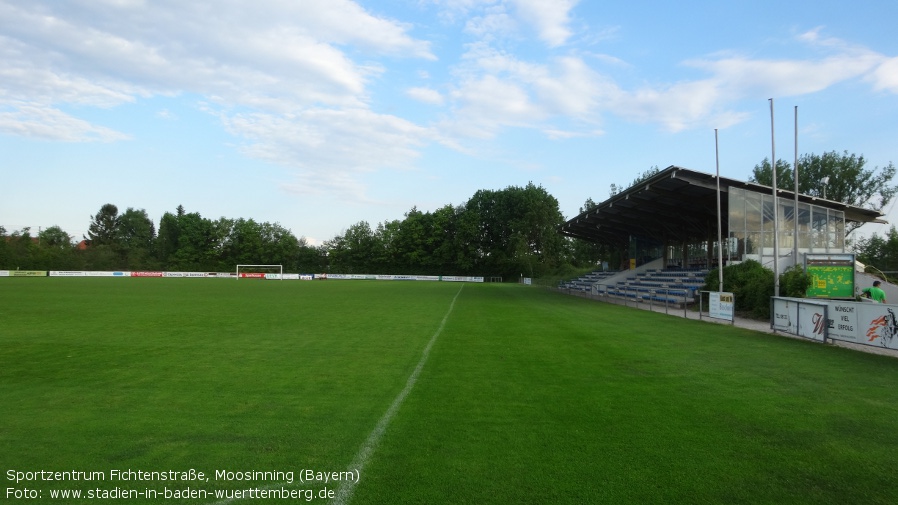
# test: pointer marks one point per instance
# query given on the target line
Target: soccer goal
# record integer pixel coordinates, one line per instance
(260, 272)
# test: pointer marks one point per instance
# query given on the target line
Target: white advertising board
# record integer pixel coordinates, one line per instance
(811, 321)
(721, 305)
(842, 322)
(877, 325)
(785, 315)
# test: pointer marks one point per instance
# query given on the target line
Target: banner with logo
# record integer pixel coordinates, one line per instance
(812, 321)
(721, 305)
(877, 325)
(874, 324)
(147, 274)
(800, 317)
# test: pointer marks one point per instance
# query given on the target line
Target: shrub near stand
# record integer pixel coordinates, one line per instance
(753, 285)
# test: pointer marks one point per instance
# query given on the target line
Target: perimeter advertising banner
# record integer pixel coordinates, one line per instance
(721, 305)
(186, 274)
(23, 273)
(843, 322)
(147, 274)
(800, 317)
(865, 323)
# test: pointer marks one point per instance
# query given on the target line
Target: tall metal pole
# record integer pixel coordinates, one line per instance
(719, 217)
(795, 213)
(776, 229)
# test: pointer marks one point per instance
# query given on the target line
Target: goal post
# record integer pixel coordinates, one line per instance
(260, 272)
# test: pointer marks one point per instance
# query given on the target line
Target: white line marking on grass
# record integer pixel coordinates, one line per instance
(347, 487)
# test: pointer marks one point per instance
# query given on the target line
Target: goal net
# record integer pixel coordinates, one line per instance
(260, 272)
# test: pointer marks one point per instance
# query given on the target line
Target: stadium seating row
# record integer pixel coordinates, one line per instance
(674, 286)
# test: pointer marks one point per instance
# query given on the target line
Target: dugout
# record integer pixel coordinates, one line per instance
(673, 216)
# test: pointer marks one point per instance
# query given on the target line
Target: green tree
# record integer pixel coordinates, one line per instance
(615, 189)
(413, 242)
(168, 238)
(103, 228)
(196, 240)
(847, 180)
(5, 258)
(136, 238)
(517, 231)
(387, 247)
(55, 237)
(21, 250)
(55, 250)
(879, 252)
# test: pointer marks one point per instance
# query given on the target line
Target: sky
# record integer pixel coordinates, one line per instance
(320, 114)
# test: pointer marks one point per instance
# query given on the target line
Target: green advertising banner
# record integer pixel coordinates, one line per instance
(28, 273)
(832, 275)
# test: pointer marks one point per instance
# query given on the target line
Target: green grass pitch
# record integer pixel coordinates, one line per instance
(526, 396)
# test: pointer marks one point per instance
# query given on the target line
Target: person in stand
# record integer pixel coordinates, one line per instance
(875, 293)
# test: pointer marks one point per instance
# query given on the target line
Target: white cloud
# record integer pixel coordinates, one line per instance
(492, 24)
(498, 90)
(885, 76)
(270, 55)
(425, 95)
(329, 147)
(740, 77)
(39, 121)
(549, 18)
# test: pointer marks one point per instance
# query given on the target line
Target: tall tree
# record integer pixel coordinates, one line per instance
(879, 252)
(103, 228)
(56, 250)
(55, 237)
(5, 257)
(841, 177)
(517, 230)
(168, 238)
(135, 238)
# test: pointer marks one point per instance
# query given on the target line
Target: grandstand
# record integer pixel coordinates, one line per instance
(667, 225)
(650, 284)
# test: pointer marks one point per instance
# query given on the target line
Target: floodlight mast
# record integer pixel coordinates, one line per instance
(776, 229)
(719, 218)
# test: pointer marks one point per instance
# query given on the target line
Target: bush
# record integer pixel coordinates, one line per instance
(794, 282)
(753, 285)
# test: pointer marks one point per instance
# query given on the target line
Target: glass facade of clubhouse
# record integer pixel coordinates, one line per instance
(751, 228)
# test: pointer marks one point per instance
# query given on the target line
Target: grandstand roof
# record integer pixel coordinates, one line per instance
(681, 205)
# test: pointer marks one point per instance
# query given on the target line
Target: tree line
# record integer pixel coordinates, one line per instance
(508, 233)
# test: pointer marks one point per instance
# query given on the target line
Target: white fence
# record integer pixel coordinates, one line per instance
(232, 275)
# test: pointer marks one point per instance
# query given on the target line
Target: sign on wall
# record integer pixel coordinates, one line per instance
(832, 275)
(722, 305)
(873, 324)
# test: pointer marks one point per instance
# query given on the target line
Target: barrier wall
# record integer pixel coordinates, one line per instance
(798, 316)
(865, 323)
(232, 275)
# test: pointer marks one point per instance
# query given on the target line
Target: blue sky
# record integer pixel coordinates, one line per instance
(318, 114)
